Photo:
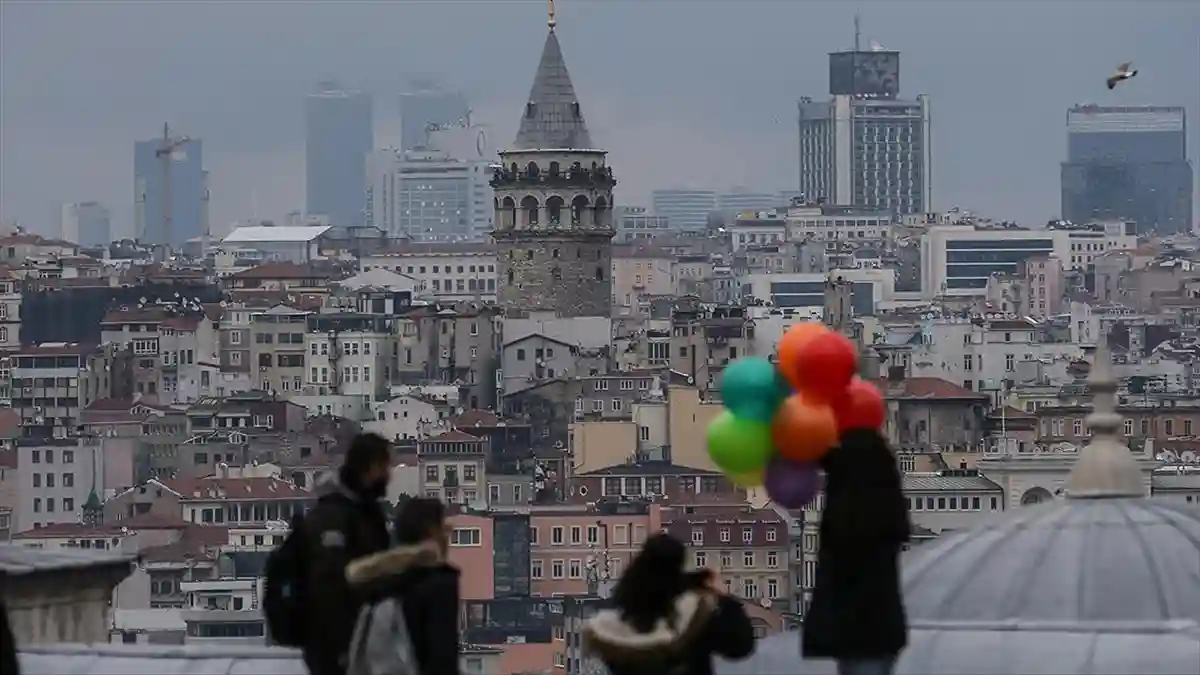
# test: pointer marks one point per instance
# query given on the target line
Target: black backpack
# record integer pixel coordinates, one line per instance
(285, 598)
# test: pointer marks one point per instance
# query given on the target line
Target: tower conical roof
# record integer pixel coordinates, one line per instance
(552, 118)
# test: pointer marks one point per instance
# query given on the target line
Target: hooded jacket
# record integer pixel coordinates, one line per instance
(427, 587)
(705, 624)
(857, 611)
(344, 525)
(9, 664)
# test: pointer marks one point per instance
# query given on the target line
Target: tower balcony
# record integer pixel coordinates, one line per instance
(573, 178)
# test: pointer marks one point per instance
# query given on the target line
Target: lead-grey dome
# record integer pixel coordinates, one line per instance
(73, 659)
(1074, 586)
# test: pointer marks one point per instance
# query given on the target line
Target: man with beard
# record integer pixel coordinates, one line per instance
(347, 523)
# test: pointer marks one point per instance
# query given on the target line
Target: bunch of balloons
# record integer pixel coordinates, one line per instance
(780, 420)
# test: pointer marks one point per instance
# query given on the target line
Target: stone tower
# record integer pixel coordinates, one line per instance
(553, 200)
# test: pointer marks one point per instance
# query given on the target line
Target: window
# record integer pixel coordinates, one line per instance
(748, 559)
(724, 535)
(1010, 362)
(772, 559)
(1077, 427)
(466, 536)
(1128, 427)
(615, 405)
(575, 568)
(68, 504)
(494, 493)
(771, 534)
(535, 569)
(556, 535)
(772, 588)
(68, 480)
(593, 536)
(576, 534)
(697, 536)
(1168, 429)
(747, 535)
(749, 589)
(643, 433)
(556, 569)
(701, 559)
(726, 560)
(1187, 427)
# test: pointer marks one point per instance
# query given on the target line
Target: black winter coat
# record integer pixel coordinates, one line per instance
(9, 663)
(857, 610)
(427, 587)
(341, 527)
(706, 624)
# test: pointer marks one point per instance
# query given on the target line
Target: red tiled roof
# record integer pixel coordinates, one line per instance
(72, 530)
(454, 435)
(924, 387)
(212, 488)
(476, 418)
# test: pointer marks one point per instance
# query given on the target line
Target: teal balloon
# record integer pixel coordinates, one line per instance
(752, 388)
(739, 445)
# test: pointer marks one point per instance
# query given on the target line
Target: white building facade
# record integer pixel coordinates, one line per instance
(430, 196)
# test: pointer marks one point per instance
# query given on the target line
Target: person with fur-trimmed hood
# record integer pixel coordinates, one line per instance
(857, 612)
(417, 573)
(666, 621)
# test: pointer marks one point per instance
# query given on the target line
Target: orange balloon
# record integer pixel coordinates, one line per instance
(803, 430)
(791, 348)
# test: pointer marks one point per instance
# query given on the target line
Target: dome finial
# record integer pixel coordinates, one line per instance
(550, 20)
(1105, 468)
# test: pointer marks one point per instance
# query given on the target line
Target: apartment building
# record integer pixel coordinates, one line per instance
(453, 467)
(444, 272)
(639, 273)
(278, 349)
(10, 313)
(54, 479)
(749, 548)
(350, 355)
(282, 276)
(51, 383)
(573, 549)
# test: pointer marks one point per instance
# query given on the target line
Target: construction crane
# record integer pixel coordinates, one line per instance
(165, 153)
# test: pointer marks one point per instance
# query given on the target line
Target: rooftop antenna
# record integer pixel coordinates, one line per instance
(857, 29)
(550, 19)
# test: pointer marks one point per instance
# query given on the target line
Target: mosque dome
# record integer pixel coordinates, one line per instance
(1103, 581)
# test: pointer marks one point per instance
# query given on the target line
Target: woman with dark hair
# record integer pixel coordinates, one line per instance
(666, 621)
(857, 613)
(416, 573)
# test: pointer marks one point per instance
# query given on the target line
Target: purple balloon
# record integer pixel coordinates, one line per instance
(790, 484)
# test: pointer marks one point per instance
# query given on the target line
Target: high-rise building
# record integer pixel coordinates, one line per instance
(86, 223)
(430, 196)
(1128, 163)
(686, 210)
(553, 196)
(188, 193)
(339, 134)
(865, 146)
(428, 104)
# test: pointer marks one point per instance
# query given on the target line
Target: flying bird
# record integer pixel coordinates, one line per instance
(1124, 72)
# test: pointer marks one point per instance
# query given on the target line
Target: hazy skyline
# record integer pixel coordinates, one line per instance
(681, 92)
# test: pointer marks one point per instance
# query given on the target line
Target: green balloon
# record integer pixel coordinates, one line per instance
(739, 445)
(751, 388)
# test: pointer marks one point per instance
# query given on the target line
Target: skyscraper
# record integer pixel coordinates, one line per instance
(428, 104)
(86, 224)
(188, 193)
(554, 225)
(1128, 163)
(865, 146)
(339, 134)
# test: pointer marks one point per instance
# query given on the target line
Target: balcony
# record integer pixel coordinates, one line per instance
(576, 177)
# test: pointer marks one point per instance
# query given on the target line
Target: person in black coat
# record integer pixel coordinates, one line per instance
(666, 621)
(9, 663)
(857, 613)
(417, 573)
(346, 523)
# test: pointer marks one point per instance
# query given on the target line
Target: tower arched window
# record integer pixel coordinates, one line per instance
(578, 205)
(508, 212)
(556, 274)
(599, 273)
(529, 206)
(601, 212)
(531, 169)
(555, 253)
(555, 169)
(554, 207)
(510, 277)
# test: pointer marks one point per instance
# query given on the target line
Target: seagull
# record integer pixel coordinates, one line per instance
(1124, 72)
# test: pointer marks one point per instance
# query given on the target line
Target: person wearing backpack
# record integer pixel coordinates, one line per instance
(666, 621)
(346, 523)
(417, 575)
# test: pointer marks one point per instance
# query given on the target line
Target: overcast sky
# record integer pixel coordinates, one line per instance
(696, 93)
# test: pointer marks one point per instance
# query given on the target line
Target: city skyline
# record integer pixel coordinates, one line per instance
(53, 155)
